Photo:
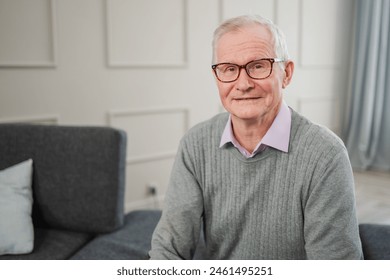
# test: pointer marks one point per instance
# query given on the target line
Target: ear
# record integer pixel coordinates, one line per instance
(288, 73)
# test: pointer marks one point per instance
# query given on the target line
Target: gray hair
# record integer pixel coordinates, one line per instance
(235, 24)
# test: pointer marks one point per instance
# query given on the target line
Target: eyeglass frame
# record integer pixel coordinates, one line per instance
(271, 60)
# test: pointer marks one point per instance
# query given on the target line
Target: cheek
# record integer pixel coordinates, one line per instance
(224, 90)
(274, 93)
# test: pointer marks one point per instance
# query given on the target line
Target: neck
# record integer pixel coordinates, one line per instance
(249, 132)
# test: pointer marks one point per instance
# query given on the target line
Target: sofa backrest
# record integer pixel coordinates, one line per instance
(78, 173)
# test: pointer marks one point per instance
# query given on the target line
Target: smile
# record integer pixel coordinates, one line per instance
(247, 98)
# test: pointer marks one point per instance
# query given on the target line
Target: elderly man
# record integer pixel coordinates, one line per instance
(261, 181)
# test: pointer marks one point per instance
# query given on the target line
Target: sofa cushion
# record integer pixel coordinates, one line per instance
(16, 227)
(79, 173)
(131, 242)
(51, 244)
(375, 241)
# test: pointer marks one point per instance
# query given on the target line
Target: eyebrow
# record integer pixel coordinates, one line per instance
(244, 63)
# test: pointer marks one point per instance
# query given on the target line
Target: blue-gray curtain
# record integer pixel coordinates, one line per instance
(367, 128)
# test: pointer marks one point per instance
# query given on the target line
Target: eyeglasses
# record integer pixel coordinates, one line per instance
(256, 69)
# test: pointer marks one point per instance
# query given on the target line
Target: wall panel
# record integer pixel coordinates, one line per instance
(152, 133)
(141, 36)
(153, 137)
(27, 33)
(287, 18)
(322, 32)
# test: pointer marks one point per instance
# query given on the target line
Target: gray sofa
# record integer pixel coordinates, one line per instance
(78, 192)
(375, 241)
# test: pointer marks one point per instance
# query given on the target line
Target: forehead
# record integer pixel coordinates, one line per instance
(247, 43)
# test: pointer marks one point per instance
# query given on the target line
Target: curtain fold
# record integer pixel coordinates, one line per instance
(367, 130)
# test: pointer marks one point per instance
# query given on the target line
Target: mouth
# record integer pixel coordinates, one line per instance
(247, 98)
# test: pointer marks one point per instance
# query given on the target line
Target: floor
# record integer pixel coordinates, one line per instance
(373, 197)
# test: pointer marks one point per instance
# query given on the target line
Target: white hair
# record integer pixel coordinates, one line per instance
(237, 23)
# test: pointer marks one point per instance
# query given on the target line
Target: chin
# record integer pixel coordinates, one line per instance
(247, 115)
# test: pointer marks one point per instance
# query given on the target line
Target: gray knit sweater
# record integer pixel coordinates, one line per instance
(295, 205)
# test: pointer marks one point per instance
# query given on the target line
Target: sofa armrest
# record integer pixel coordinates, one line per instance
(375, 241)
(78, 173)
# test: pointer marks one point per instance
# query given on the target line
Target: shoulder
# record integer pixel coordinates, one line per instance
(320, 154)
(303, 128)
(311, 135)
(201, 141)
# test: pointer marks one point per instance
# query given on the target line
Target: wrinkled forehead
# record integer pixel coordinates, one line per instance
(245, 33)
(245, 41)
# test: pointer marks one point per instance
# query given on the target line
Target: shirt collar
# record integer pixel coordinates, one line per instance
(277, 136)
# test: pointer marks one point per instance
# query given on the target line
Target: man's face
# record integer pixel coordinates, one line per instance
(247, 98)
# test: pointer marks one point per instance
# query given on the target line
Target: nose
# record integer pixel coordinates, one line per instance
(244, 83)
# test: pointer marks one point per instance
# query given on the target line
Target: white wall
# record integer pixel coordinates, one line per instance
(144, 66)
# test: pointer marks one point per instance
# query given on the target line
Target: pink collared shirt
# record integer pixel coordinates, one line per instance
(277, 136)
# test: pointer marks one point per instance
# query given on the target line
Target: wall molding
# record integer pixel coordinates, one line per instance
(50, 63)
(40, 119)
(113, 114)
(111, 63)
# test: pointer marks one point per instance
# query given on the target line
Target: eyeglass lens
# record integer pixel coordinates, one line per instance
(258, 69)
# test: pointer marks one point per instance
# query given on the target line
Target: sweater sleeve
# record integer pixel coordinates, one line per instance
(178, 230)
(330, 225)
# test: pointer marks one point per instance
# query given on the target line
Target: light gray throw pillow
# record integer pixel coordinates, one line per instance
(16, 227)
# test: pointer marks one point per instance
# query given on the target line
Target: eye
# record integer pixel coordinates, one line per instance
(229, 68)
(258, 65)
